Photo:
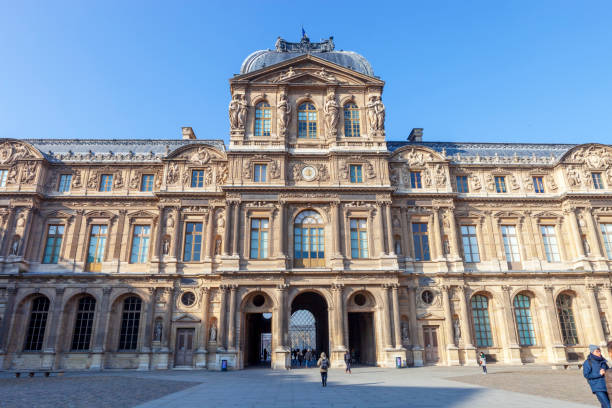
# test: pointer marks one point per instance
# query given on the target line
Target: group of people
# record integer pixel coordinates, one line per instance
(599, 376)
(303, 358)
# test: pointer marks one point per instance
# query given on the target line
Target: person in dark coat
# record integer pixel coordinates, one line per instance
(594, 370)
(324, 364)
(608, 375)
(347, 361)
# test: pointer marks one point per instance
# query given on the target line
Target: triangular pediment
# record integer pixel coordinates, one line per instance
(307, 69)
(186, 317)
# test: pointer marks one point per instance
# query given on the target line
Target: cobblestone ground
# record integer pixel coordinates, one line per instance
(75, 390)
(456, 387)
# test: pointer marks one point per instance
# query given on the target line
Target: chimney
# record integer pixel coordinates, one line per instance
(416, 135)
(188, 133)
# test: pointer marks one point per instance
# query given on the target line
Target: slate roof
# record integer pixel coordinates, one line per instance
(56, 150)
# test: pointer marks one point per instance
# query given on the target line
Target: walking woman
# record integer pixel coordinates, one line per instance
(324, 364)
(482, 360)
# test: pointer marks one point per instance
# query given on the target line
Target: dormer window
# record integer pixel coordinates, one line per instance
(307, 121)
(351, 120)
(597, 181)
(415, 179)
(263, 119)
(106, 182)
(500, 184)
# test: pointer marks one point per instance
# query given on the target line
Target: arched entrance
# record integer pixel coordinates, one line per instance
(308, 325)
(361, 331)
(257, 344)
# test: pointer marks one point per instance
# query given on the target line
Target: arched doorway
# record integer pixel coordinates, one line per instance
(257, 340)
(361, 331)
(308, 325)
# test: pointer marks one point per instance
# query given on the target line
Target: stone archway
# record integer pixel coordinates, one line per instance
(309, 325)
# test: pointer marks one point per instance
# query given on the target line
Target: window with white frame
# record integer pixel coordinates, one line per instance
(470, 243)
(511, 244)
(549, 237)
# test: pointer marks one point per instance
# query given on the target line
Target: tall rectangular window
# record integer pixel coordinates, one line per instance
(511, 245)
(462, 184)
(193, 241)
(146, 182)
(64, 183)
(415, 179)
(96, 248)
(259, 238)
(106, 182)
(197, 178)
(55, 234)
(470, 243)
(3, 177)
(359, 238)
(500, 184)
(356, 174)
(259, 175)
(549, 237)
(421, 241)
(606, 232)
(597, 181)
(140, 244)
(538, 184)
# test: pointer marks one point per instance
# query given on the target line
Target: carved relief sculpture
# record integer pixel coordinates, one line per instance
(173, 173)
(476, 184)
(440, 176)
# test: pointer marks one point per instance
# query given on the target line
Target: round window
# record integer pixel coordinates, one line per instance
(360, 299)
(188, 298)
(427, 297)
(259, 300)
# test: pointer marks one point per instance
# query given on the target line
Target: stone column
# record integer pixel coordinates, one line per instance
(280, 358)
(119, 236)
(452, 240)
(417, 348)
(397, 331)
(339, 344)
(231, 335)
(556, 349)
(576, 238)
(513, 350)
(436, 239)
(591, 292)
(465, 319)
(29, 212)
(483, 250)
(451, 349)
(236, 224)
(144, 361)
(378, 225)
(385, 317)
(209, 238)
(201, 351)
(6, 319)
(406, 233)
(389, 222)
(593, 234)
(101, 330)
(337, 245)
(53, 341)
(158, 234)
(8, 232)
(222, 319)
(226, 231)
(176, 244)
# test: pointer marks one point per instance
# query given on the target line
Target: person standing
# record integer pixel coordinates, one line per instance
(308, 357)
(324, 364)
(594, 370)
(347, 361)
(608, 375)
(300, 357)
(482, 360)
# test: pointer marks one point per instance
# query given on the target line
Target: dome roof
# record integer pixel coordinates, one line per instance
(325, 50)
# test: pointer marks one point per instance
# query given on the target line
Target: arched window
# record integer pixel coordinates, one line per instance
(263, 119)
(309, 242)
(307, 121)
(83, 325)
(38, 324)
(524, 322)
(130, 322)
(351, 120)
(566, 319)
(482, 324)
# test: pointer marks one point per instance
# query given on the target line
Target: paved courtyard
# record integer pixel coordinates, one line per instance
(366, 387)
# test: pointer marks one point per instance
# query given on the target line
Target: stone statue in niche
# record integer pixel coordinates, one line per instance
(573, 178)
(213, 333)
(457, 330)
(405, 331)
(284, 109)
(242, 109)
(445, 246)
(15, 245)
(585, 244)
(166, 246)
(376, 113)
(331, 109)
(157, 332)
(218, 246)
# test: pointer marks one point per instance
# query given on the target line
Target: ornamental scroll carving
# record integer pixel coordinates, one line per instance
(368, 167)
(309, 172)
(593, 157)
(273, 166)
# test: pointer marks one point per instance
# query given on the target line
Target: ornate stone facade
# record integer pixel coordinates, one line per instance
(153, 254)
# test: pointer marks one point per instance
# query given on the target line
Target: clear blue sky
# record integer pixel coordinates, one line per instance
(490, 71)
